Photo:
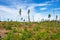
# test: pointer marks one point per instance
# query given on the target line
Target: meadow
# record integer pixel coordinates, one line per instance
(45, 30)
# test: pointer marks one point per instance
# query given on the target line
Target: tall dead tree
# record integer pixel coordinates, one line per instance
(56, 17)
(20, 14)
(28, 16)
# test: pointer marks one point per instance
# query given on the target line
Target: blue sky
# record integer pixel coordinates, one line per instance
(38, 8)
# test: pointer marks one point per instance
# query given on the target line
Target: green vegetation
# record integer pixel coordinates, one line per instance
(47, 30)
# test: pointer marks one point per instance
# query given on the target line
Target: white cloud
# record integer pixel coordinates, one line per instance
(43, 8)
(7, 12)
(34, 5)
(7, 9)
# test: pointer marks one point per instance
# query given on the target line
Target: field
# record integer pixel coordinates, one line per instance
(47, 30)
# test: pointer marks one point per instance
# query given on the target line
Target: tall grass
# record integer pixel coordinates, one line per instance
(32, 31)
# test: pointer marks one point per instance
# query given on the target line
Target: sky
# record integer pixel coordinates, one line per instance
(39, 9)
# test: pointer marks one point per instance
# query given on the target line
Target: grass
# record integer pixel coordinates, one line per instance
(47, 30)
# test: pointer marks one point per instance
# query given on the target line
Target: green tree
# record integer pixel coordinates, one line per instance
(49, 15)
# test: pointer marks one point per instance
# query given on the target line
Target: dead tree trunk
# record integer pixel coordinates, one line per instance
(28, 16)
